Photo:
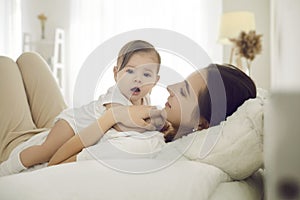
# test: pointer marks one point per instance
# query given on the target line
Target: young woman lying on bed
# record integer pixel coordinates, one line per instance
(204, 99)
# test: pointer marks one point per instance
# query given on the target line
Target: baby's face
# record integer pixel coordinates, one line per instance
(138, 77)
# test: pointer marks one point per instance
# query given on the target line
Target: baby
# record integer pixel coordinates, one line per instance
(136, 74)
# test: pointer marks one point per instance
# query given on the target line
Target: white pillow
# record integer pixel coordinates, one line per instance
(235, 146)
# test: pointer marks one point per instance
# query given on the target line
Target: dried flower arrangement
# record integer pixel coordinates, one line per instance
(248, 46)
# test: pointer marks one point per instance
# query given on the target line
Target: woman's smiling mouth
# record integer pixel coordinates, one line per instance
(167, 105)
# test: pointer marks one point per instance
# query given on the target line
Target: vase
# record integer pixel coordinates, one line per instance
(243, 64)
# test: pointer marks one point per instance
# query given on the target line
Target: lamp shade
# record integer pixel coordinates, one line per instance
(232, 23)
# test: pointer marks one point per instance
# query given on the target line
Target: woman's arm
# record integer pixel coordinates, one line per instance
(133, 116)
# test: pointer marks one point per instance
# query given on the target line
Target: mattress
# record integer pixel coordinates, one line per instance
(127, 179)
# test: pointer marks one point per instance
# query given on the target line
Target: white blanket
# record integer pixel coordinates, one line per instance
(152, 179)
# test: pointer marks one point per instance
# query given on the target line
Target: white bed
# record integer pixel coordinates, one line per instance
(93, 180)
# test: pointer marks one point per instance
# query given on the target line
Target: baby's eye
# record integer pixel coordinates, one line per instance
(147, 74)
(129, 71)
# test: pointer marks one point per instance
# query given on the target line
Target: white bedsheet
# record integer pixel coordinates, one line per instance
(93, 180)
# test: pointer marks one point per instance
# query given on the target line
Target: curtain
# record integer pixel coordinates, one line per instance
(94, 21)
(10, 25)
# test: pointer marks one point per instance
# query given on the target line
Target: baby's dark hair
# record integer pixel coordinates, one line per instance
(227, 88)
(133, 47)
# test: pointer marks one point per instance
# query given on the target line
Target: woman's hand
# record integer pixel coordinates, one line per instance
(138, 116)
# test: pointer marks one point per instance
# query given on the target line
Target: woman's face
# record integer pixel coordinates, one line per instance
(182, 103)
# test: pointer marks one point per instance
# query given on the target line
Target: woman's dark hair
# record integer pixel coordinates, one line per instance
(133, 47)
(227, 88)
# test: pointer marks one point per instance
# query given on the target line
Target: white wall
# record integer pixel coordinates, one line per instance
(2, 25)
(10, 28)
(97, 21)
(260, 68)
(285, 32)
(57, 12)
(113, 21)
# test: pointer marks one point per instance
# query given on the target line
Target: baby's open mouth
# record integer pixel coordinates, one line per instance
(135, 90)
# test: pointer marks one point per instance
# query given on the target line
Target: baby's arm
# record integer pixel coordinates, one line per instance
(87, 137)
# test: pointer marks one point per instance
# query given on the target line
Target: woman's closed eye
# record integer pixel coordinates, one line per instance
(182, 92)
(185, 91)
